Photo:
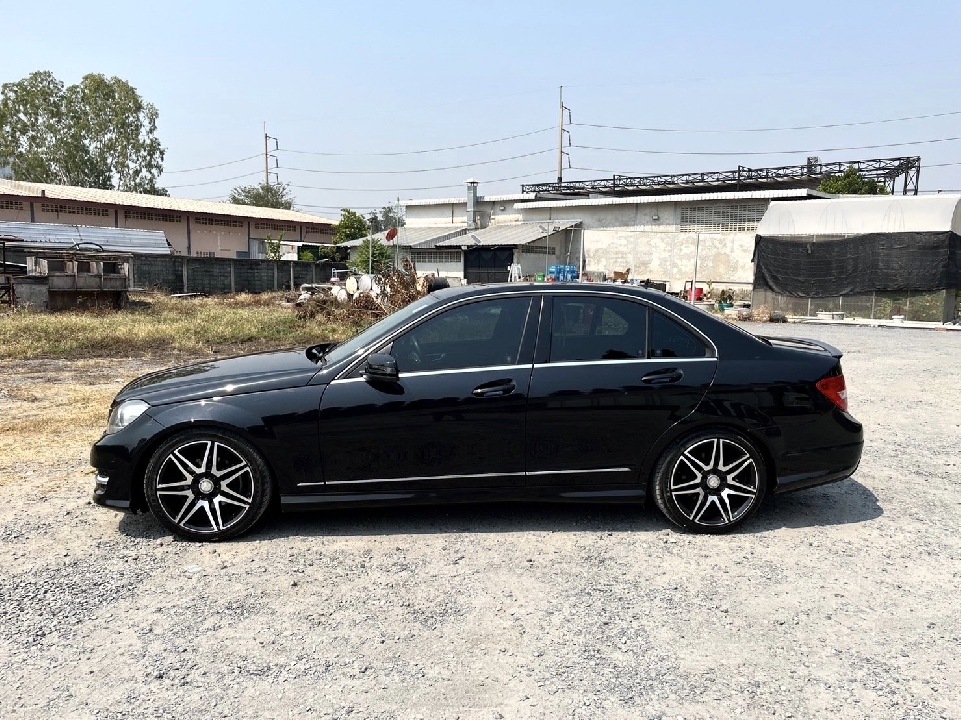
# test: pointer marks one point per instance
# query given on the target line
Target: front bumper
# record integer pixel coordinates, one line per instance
(116, 458)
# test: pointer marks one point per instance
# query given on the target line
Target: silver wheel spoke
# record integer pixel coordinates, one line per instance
(179, 464)
(178, 458)
(210, 515)
(695, 470)
(179, 483)
(183, 515)
(703, 503)
(228, 501)
(688, 484)
(741, 486)
(746, 464)
(220, 473)
(725, 508)
(227, 491)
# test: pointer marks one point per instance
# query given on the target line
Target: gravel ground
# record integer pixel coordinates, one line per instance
(840, 601)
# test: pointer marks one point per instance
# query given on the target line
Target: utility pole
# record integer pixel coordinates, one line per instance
(267, 155)
(560, 141)
(560, 137)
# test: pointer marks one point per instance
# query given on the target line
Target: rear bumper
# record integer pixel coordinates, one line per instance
(819, 467)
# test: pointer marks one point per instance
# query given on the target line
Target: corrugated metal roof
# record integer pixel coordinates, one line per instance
(50, 237)
(509, 234)
(462, 200)
(686, 198)
(157, 202)
(421, 237)
(847, 215)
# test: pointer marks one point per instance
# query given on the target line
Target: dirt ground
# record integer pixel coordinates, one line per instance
(841, 601)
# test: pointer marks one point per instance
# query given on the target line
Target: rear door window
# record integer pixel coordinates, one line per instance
(669, 339)
(594, 328)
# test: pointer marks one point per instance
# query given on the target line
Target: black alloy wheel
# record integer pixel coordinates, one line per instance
(207, 485)
(710, 482)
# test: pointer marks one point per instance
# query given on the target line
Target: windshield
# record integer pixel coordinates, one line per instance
(346, 349)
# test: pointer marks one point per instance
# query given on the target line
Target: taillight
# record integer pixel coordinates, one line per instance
(833, 389)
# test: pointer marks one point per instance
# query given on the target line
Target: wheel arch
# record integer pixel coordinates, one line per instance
(681, 432)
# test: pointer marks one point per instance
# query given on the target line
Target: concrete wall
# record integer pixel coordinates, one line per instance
(222, 275)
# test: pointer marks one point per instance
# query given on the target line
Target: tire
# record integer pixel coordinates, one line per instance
(710, 482)
(207, 485)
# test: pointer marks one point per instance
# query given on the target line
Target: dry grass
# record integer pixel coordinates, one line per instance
(51, 412)
(158, 325)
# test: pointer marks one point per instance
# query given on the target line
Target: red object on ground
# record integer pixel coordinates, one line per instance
(695, 294)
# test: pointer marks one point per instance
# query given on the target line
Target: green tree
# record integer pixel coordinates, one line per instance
(306, 256)
(351, 227)
(273, 251)
(265, 195)
(98, 133)
(383, 259)
(386, 218)
(851, 182)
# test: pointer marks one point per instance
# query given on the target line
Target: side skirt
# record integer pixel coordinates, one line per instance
(632, 493)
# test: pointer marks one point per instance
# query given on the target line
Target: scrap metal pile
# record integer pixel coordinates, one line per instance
(365, 297)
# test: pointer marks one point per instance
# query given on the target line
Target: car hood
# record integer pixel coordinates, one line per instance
(218, 378)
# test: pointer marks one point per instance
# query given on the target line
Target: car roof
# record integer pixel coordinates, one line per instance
(492, 288)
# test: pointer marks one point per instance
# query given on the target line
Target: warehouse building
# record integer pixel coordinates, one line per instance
(197, 228)
(671, 229)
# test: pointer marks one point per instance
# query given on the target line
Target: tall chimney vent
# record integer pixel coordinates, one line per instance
(471, 204)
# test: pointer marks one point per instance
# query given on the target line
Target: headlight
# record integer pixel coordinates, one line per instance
(125, 413)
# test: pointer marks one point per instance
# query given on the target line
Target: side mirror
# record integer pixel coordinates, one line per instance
(381, 366)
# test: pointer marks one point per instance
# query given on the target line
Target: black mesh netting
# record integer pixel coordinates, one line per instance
(804, 266)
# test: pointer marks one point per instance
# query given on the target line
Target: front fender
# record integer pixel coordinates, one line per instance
(281, 424)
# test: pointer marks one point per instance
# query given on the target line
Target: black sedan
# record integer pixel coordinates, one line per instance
(574, 392)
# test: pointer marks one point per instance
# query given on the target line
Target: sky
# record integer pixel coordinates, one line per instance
(364, 98)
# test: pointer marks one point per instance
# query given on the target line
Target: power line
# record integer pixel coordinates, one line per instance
(214, 182)
(416, 152)
(420, 170)
(210, 167)
(768, 152)
(771, 129)
(433, 187)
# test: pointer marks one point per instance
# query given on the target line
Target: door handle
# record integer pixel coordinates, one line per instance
(663, 377)
(496, 388)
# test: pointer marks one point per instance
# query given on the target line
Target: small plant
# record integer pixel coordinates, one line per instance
(273, 251)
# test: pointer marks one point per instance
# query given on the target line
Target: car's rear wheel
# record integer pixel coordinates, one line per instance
(207, 485)
(710, 482)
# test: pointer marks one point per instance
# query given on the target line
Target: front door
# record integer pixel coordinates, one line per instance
(616, 375)
(456, 416)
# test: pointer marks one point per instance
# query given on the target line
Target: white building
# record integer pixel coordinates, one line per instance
(657, 237)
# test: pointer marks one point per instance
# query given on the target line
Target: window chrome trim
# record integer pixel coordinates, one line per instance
(449, 371)
(623, 361)
(417, 478)
(362, 353)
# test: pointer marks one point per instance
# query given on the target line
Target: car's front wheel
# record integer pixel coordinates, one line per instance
(207, 485)
(710, 482)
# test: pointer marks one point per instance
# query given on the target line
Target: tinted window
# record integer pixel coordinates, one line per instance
(670, 339)
(478, 334)
(597, 329)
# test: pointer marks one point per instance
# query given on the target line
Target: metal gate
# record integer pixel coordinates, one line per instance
(487, 265)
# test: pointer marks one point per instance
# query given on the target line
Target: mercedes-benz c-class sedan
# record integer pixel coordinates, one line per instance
(577, 392)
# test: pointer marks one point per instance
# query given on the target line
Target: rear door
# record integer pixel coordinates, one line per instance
(611, 374)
